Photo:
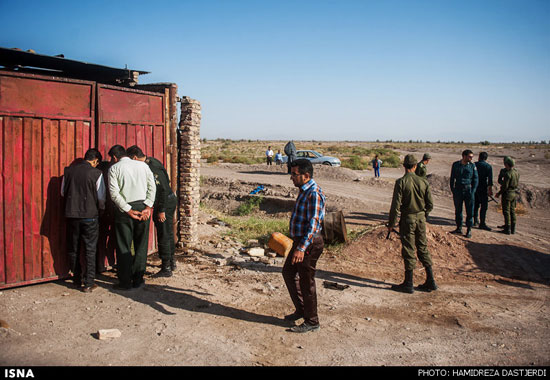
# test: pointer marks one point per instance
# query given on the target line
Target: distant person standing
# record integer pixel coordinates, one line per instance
(412, 200)
(463, 182)
(376, 163)
(84, 192)
(484, 190)
(421, 169)
(132, 188)
(278, 158)
(163, 211)
(290, 151)
(305, 230)
(508, 190)
(269, 156)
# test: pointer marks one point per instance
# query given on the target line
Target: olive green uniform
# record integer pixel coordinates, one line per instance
(421, 170)
(412, 198)
(165, 201)
(508, 190)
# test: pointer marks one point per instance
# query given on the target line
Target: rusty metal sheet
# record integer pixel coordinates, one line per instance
(130, 106)
(28, 95)
(36, 148)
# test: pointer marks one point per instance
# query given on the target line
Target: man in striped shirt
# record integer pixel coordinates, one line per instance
(305, 231)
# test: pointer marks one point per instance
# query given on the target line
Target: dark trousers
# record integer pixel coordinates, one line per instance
(481, 205)
(464, 195)
(300, 279)
(165, 230)
(131, 266)
(87, 231)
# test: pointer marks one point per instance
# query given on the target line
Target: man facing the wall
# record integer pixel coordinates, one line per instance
(163, 210)
(132, 189)
(83, 189)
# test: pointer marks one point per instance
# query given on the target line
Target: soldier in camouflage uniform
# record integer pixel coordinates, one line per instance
(413, 200)
(163, 211)
(509, 187)
(421, 169)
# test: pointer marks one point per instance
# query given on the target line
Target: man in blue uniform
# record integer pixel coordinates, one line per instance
(484, 190)
(463, 182)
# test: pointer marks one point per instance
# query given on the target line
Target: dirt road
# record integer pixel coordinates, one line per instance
(221, 308)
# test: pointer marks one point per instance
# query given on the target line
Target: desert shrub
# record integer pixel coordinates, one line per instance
(212, 159)
(391, 161)
(355, 163)
(249, 206)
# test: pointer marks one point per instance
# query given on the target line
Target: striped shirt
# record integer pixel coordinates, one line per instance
(308, 214)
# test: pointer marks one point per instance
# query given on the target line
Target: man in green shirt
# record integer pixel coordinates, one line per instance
(413, 200)
(421, 169)
(508, 189)
(163, 210)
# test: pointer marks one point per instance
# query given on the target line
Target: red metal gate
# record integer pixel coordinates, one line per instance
(128, 117)
(47, 122)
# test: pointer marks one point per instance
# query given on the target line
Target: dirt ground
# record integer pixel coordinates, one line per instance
(222, 307)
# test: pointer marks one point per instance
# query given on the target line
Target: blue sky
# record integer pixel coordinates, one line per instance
(449, 70)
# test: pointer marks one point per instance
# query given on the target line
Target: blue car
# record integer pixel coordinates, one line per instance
(315, 158)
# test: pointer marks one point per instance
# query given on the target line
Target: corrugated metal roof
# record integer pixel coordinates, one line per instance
(28, 61)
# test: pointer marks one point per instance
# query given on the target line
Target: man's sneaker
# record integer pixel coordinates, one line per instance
(305, 327)
(89, 289)
(458, 231)
(469, 233)
(294, 316)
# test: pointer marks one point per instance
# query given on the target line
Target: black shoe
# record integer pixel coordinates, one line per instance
(121, 287)
(458, 231)
(138, 284)
(294, 316)
(164, 272)
(89, 289)
(428, 286)
(305, 327)
(407, 285)
(484, 227)
(403, 288)
(469, 233)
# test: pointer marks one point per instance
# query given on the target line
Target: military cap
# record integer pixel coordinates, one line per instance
(426, 156)
(410, 160)
(509, 161)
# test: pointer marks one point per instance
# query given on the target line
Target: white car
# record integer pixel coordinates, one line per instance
(315, 158)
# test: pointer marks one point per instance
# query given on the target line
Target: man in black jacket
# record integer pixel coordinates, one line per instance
(84, 191)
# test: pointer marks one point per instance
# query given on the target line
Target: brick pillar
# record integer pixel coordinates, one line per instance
(189, 158)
